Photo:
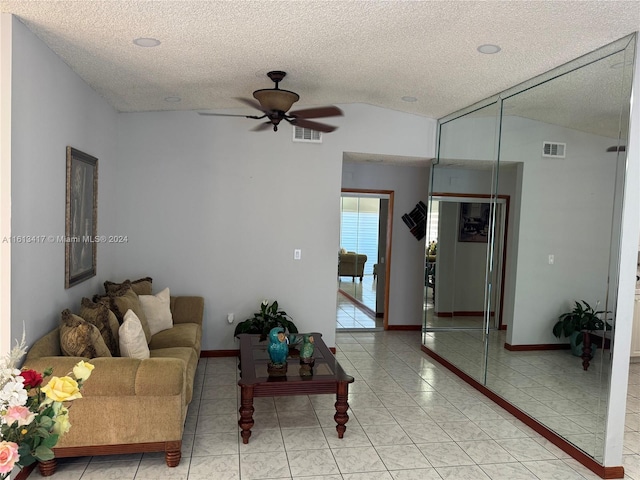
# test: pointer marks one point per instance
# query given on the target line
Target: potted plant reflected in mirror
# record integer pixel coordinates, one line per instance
(573, 325)
(266, 319)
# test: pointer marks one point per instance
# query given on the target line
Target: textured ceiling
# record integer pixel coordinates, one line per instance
(333, 51)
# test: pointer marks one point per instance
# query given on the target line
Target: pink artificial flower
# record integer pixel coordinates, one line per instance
(18, 413)
(8, 456)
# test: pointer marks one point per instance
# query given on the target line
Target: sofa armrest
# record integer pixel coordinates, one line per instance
(187, 309)
(119, 376)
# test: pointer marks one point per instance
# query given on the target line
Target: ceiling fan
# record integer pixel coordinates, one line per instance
(275, 103)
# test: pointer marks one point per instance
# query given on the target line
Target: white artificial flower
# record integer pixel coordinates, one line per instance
(13, 393)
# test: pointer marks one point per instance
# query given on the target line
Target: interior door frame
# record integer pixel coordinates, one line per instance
(387, 254)
(503, 260)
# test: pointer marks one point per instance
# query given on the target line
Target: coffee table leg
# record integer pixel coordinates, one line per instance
(246, 412)
(342, 406)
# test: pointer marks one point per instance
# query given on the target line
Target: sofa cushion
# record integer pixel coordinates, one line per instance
(157, 310)
(180, 335)
(123, 299)
(104, 320)
(133, 343)
(79, 338)
(190, 359)
(142, 286)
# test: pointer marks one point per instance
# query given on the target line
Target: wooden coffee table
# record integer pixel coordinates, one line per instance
(328, 377)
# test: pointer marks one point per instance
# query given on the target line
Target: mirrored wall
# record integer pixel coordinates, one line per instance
(524, 221)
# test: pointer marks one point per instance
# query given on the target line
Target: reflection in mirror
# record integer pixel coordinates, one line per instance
(565, 253)
(459, 304)
(562, 169)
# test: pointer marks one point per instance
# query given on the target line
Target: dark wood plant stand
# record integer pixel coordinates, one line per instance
(586, 350)
(327, 377)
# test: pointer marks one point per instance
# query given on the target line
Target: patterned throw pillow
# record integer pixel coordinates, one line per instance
(99, 315)
(142, 286)
(123, 299)
(79, 338)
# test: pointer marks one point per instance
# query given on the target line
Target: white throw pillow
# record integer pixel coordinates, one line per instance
(157, 309)
(133, 343)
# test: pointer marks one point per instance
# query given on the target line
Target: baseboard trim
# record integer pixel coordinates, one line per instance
(232, 353)
(404, 327)
(219, 353)
(550, 435)
(361, 305)
(537, 346)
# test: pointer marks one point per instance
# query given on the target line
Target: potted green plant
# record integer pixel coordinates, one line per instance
(267, 318)
(583, 318)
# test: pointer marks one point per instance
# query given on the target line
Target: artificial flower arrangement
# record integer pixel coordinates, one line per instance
(33, 417)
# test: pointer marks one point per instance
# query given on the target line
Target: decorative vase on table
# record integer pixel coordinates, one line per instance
(306, 356)
(278, 350)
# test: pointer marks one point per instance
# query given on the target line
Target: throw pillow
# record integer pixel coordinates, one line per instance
(79, 338)
(99, 315)
(133, 343)
(123, 299)
(142, 286)
(157, 310)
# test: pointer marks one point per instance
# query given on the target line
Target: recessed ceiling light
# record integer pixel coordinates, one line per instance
(172, 99)
(489, 48)
(409, 99)
(146, 42)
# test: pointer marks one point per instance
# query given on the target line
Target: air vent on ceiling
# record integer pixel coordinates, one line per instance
(553, 149)
(306, 135)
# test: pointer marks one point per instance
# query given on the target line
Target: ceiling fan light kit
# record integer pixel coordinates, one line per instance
(274, 103)
(274, 98)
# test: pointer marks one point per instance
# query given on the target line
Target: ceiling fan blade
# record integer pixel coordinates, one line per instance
(252, 104)
(319, 112)
(320, 127)
(262, 126)
(228, 115)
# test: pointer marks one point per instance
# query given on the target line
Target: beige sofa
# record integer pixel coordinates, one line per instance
(130, 405)
(351, 264)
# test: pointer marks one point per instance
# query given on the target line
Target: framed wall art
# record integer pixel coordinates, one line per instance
(81, 217)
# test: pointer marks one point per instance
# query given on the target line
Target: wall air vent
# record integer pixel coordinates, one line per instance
(553, 149)
(306, 135)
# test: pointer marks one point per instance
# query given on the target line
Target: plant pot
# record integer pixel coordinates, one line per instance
(576, 349)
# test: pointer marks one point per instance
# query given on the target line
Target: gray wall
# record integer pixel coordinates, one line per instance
(410, 185)
(52, 108)
(216, 210)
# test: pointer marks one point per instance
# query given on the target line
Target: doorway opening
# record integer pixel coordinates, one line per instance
(363, 259)
(464, 279)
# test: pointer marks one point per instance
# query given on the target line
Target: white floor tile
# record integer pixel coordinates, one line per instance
(410, 419)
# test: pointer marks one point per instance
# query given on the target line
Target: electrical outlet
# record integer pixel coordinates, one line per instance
(230, 317)
(551, 259)
(297, 254)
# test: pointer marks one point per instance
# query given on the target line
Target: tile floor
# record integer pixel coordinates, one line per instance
(410, 419)
(349, 315)
(550, 385)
